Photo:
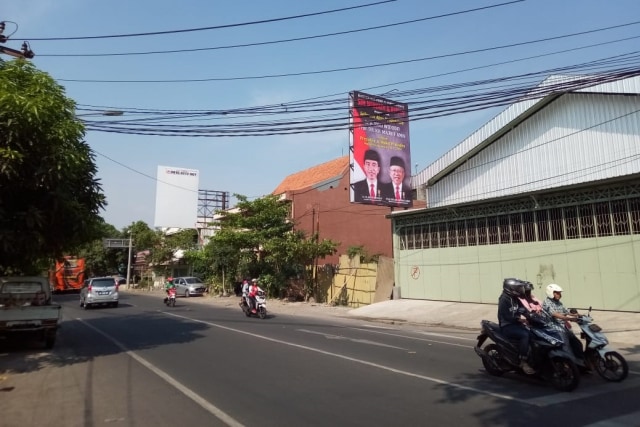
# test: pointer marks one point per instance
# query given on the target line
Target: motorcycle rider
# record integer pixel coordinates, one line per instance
(253, 291)
(245, 290)
(512, 324)
(168, 285)
(560, 318)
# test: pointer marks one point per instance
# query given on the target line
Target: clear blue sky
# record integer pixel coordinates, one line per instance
(255, 165)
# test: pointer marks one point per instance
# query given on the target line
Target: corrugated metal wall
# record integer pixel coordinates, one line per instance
(578, 138)
(629, 86)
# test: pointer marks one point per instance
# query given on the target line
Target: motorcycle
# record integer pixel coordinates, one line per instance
(261, 305)
(547, 356)
(609, 364)
(170, 300)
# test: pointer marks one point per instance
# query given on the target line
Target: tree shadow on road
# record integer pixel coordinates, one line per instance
(77, 338)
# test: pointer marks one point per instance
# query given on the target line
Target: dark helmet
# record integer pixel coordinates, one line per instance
(513, 287)
(528, 287)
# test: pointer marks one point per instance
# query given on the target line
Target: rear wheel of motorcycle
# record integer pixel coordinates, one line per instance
(565, 375)
(612, 367)
(492, 361)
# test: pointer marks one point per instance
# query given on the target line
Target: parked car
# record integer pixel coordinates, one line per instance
(189, 286)
(99, 290)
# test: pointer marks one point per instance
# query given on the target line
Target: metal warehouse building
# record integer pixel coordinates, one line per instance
(547, 191)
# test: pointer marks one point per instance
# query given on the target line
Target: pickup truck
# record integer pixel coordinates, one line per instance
(26, 309)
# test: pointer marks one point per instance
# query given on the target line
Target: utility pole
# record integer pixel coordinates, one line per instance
(129, 261)
(25, 52)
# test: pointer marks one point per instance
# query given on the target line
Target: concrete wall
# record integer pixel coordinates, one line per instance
(598, 272)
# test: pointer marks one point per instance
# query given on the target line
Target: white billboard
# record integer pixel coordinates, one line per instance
(176, 197)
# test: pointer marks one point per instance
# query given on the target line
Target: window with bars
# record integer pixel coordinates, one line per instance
(442, 231)
(543, 225)
(587, 224)
(492, 228)
(516, 227)
(461, 231)
(505, 229)
(571, 222)
(603, 219)
(452, 232)
(483, 231)
(597, 219)
(556, 225)
(472, 232)
(411, 238)
(620, 217)
(528, 227)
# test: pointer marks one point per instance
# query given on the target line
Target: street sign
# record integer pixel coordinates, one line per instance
(115, 243)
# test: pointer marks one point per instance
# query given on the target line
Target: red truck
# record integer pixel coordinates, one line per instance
(68, 274)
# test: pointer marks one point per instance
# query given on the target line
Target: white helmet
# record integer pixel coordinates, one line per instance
(553, 288)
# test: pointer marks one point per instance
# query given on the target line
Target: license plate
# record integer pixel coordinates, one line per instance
(103, 293)
(24, 323)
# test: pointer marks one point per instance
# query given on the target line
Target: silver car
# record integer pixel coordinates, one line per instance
(189, 286)
(99, 290)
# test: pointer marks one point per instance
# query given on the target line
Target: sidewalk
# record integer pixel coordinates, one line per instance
(621, 328)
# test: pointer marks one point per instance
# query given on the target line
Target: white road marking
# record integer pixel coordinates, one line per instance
(435, 334)
(415, 338)
(362, 362)
(207, 406)
(339, 337)
(378, 327)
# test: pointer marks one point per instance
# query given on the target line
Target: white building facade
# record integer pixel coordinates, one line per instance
(547, 191)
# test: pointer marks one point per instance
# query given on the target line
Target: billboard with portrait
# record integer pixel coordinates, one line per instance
(379, 151)
(176, 197)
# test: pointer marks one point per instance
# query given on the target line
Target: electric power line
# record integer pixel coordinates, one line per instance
(216, 27)
(289, 40)
(352, 68)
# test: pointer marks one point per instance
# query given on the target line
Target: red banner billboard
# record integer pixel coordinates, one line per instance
(380, 151)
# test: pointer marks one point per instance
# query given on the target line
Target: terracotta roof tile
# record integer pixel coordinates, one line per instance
(313, 175)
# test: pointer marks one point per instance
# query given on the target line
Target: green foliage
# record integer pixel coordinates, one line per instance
(101, 261)
(361, 252)
(50, 198)
(258, 240)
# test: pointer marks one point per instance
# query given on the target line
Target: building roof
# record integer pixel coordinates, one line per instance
(314, 175)
(545, 93)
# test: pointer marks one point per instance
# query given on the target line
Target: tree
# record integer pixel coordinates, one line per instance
(50, 198)
(100, 261)
(258, 239)
(166, 245)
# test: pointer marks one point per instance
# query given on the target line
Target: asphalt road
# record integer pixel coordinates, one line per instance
(199, 364)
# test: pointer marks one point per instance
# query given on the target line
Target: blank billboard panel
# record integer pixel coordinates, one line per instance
(176, 197)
